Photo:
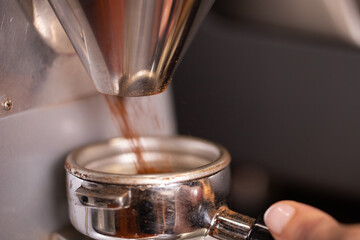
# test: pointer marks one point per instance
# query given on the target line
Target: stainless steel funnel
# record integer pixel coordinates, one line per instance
(131, 47)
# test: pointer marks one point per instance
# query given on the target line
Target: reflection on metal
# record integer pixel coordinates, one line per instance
(186, 203)
(38, 65)
(33, 145)
(228, 224)
(131, 47)
(45, 22)
(69, 233)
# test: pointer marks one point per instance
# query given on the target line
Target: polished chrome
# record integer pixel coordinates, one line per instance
(228, 224)
(38, 65)
(108, 200)
(55, 107)
(93, 195)
(33, 145)
(69, 233)
(131, 47)
(193, 154)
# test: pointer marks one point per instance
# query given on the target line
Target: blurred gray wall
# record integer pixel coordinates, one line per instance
(285, 102)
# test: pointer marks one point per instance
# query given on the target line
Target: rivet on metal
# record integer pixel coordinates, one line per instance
(7, 104)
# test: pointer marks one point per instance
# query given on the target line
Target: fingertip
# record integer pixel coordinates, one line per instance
(298, 221)
(278, 215)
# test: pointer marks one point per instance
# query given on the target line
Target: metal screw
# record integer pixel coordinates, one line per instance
(7, 104)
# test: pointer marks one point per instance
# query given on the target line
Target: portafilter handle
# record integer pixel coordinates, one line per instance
(228, 224)
(260, 231)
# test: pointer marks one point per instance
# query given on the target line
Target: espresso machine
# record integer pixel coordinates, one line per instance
(56, 57)
(50, 79)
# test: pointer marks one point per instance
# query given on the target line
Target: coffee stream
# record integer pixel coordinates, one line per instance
(120, 115)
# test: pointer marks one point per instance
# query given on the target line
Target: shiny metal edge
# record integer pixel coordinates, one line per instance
(72, 166)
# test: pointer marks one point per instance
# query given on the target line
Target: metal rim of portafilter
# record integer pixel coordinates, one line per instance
(108, 200)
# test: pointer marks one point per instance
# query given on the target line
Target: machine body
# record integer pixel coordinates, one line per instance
(49, 105)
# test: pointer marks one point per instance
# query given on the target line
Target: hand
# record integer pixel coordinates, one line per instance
(289, 220)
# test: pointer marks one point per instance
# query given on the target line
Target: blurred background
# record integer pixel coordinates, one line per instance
(277, 83)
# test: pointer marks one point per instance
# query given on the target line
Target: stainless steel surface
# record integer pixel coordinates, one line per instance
(228, 224)
(131, 47)
(187, 203)
(193, 153)
(38, 65)
(33, 146)
(48, 106)
(69, 233)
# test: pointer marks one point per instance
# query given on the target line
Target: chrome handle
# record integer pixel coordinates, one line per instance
(103, 196)
(260, 231)
(228, 224)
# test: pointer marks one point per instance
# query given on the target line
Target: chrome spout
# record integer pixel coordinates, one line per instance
(131, 47)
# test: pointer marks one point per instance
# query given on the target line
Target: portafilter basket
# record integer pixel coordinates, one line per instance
(109, 200)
